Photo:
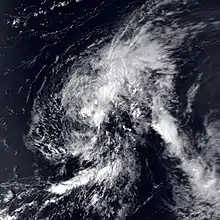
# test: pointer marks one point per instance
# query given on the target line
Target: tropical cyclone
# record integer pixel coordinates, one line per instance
(114, 96)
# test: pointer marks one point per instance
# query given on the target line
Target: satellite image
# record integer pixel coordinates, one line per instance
(109, 110)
